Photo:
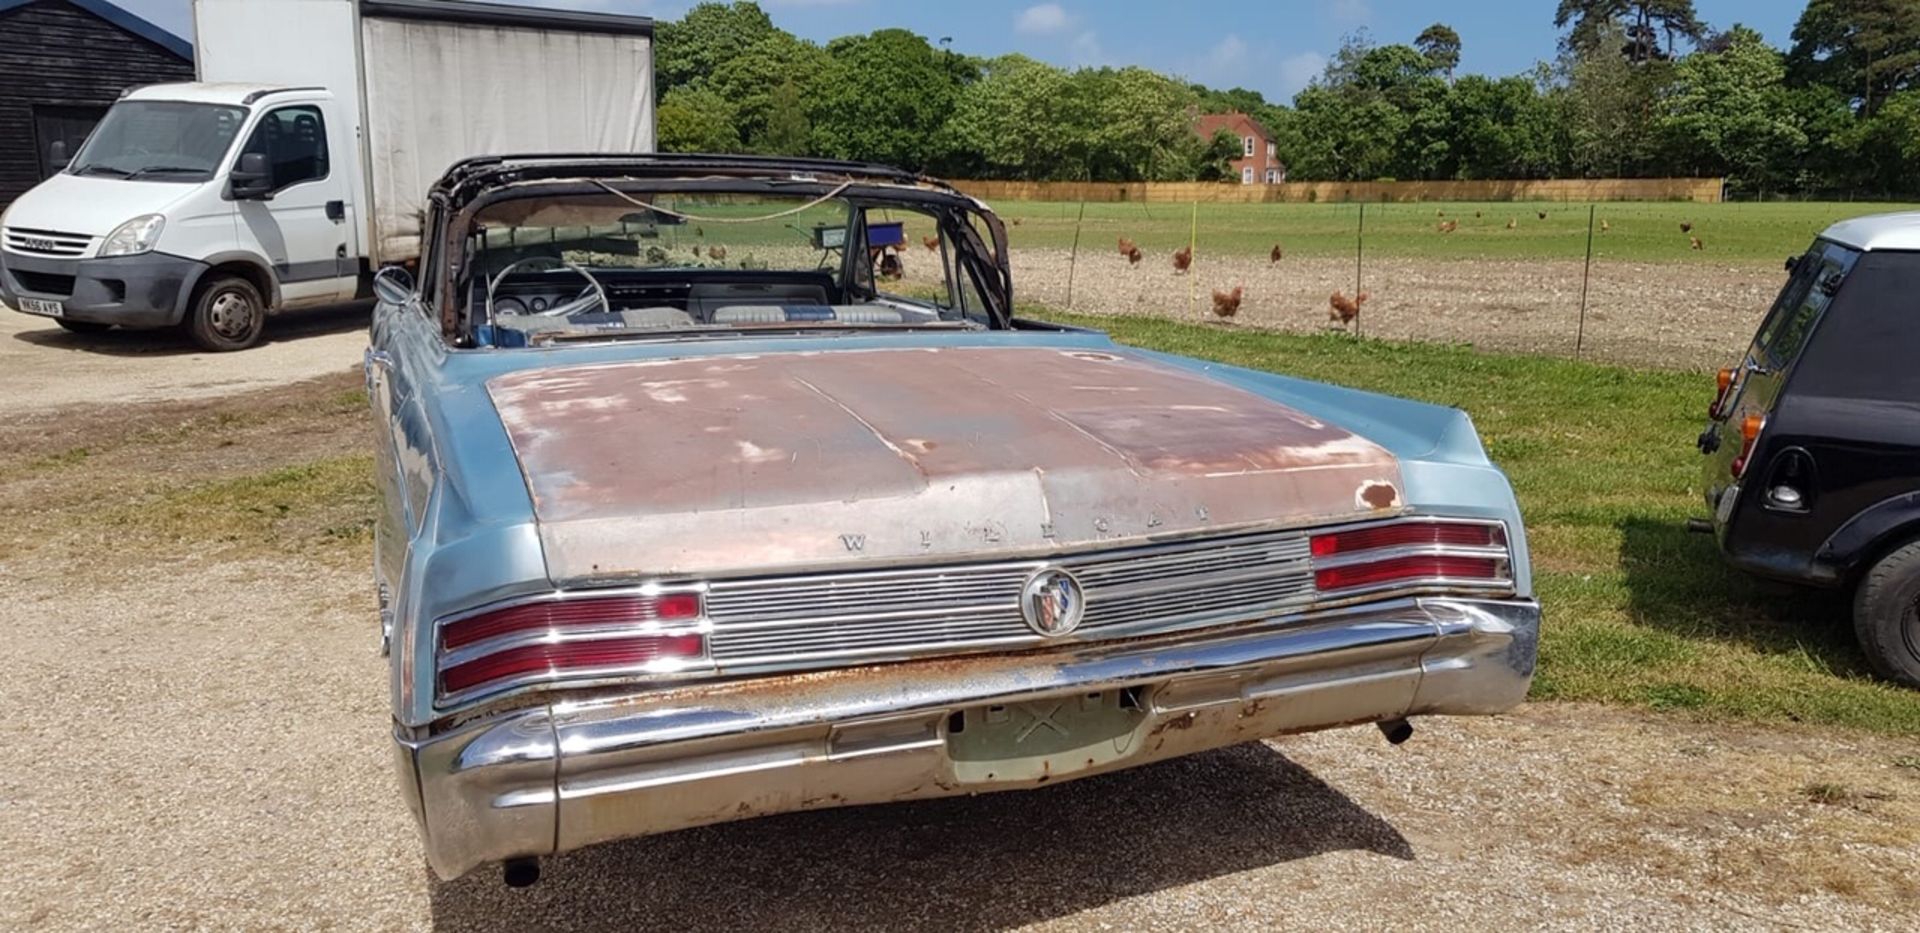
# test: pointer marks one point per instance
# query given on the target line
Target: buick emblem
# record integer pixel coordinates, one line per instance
(1052, 602)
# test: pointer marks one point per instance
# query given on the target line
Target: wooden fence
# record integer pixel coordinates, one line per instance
(1707, 190)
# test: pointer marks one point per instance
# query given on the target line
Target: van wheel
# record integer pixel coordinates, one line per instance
(83, 327)
(227, 314)
(1886, 615)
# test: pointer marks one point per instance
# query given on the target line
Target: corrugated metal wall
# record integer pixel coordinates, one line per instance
(54, 55)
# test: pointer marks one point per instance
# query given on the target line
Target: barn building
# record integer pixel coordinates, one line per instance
(62, 63)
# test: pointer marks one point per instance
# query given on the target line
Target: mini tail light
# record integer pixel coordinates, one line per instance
(1440, 554)
(561, 638)
(1720, 398)
(1750, 428)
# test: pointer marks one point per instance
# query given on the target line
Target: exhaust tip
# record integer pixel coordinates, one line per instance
(1397, 731)
(1700, 526)
(520, 872)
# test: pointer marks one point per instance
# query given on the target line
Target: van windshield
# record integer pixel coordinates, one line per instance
(159, 140)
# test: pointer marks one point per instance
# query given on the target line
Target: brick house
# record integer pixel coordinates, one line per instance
(1259, 163)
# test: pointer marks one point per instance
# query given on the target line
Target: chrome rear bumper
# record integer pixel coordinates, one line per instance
(575, 773)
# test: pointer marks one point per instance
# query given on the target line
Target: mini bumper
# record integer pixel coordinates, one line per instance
(148, 290)
(576, 773)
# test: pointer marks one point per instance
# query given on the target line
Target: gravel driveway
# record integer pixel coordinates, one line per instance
(43, 367)
(199, 739)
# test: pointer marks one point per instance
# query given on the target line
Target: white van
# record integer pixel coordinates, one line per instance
(287, 175)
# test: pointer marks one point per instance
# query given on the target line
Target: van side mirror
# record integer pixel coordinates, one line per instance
(251, 179)
(57, 155)
(393, 285)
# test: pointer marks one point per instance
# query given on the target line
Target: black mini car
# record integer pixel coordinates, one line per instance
(1813, 441)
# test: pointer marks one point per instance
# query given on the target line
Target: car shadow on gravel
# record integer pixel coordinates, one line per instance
(1678, 581)
(281, 328)
(968, 863)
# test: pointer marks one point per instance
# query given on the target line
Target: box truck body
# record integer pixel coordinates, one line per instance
(350, 109)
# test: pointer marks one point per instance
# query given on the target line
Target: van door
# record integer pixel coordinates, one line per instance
(302, 227)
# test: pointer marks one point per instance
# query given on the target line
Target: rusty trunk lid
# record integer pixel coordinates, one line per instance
(723, 465)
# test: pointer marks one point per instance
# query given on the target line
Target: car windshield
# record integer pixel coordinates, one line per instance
(628, 263)
(159, 140)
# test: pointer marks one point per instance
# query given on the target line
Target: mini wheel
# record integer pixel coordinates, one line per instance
(1886, 615)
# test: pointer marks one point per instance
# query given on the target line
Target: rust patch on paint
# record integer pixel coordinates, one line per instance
(712, 464)
(1379, 495)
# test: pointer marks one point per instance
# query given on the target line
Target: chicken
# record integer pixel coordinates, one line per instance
(1276, 255)
(1342, 310)
(699, 230)
(1134, 256)
(1604, 226)
(1227, 304)
(1441, 214)
(1512, 223)
(1696, 243)
(1686, 226)
(1476, 215)
(1448, 226)
(1016, 221)
(932, 243)
(716, 252)
(1126, 246)
(1543, 215)
(1183, 259)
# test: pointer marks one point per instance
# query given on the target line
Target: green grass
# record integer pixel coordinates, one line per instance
(1637, 610)
(1641, 231)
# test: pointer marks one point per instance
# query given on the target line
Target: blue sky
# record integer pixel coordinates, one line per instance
(1272, 47)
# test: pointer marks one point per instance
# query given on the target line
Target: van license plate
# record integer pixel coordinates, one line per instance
(37, 306)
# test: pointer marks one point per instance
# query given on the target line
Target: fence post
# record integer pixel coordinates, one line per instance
(1193, 238)
(1586, 276)
(1073, 261)
(1359, 247)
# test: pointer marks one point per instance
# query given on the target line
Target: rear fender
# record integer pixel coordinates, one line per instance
(1877, 529)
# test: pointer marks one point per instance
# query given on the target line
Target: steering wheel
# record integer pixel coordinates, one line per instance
(593, 294)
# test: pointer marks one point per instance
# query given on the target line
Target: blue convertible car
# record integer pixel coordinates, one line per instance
(720, 486)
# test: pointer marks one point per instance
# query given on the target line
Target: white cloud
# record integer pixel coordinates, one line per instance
(1086, 51)
(1298, 69)
(1350, 13)
(1044, 19)
(1229, 53)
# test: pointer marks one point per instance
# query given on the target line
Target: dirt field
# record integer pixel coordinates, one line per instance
(1696, 316)
(200, 740)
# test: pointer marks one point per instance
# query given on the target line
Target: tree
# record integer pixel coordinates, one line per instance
(1604, 103)
(1022, 119)
(787, 129)
(750, 79)
(696, 120)
(1886, 145)
(1640, 22)
(1729, 113)
(884, 97)
(1866, 49)
(1141, 125)
(693, 47)
(1441, 46)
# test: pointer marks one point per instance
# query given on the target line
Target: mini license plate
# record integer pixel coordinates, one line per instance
(37, 306)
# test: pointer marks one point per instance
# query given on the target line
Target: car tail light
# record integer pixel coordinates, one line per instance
(570, 637)
(1418, 553)
(1720, 398)
(1750, 428)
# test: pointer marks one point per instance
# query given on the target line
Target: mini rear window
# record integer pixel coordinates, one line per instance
(1817, 276)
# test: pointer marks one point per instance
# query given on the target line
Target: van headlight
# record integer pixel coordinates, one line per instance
(134, 237)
